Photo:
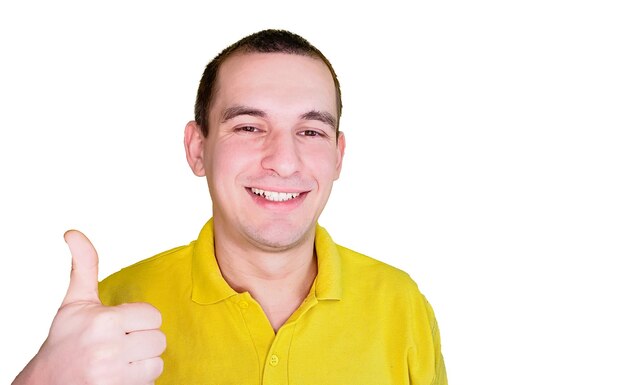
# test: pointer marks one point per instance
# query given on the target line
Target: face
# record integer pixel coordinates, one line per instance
(272, 154)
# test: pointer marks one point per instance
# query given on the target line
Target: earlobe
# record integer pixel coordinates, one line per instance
(194, 148)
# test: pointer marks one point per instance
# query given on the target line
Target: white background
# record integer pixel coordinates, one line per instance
(486, 157)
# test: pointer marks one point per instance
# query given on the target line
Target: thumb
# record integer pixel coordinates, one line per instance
(84, 276)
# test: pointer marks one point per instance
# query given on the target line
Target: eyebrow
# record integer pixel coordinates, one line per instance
(233, 112)
(324, 117)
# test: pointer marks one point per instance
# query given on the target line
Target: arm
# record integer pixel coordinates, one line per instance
(441, 376)
(426, 364)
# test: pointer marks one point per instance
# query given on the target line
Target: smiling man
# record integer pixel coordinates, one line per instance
(264, 295)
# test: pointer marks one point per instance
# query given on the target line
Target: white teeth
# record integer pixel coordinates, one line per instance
(273, 195)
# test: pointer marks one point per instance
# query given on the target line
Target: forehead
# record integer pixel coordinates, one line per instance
(275, 79)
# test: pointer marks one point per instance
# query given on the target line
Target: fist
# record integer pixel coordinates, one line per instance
(90, 343)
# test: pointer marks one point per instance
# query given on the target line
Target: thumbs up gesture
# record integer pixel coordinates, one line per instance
(90, 343)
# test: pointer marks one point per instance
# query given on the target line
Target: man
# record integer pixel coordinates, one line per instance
(263, 295)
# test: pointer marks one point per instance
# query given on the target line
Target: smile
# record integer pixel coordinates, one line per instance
(275, 196)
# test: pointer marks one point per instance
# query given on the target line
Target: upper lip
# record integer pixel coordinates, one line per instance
(280, 189)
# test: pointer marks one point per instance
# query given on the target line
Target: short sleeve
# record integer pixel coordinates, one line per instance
(426, 364)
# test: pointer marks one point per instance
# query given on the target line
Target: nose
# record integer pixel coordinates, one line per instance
(281, 154)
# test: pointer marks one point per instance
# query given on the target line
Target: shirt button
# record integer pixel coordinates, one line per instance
(274, 360)
(243, 304)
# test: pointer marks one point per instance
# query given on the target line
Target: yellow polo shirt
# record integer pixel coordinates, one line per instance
(363, 322)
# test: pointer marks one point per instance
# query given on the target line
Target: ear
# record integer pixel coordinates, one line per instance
(341, 147)
(194, 147)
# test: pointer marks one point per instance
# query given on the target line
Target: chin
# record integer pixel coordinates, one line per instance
(278, 239)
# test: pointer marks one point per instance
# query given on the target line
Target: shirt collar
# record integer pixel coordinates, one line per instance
(209, 287)
(328, 280)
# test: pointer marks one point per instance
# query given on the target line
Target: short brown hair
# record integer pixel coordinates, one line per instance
(267, 41)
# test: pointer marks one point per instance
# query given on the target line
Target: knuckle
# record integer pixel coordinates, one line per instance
(103, 321)
(143, 310)
(162, 340)
(157, 367)
(95, 331)
(153, 312)
(99, 367)
(149, 370)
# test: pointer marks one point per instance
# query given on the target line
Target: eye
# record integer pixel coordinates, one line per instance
(312, 133)
(247, 129)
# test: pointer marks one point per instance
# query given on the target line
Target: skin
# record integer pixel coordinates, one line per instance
(90, 343)
(271, 127)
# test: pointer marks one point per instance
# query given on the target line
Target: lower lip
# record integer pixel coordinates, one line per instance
(289, 204)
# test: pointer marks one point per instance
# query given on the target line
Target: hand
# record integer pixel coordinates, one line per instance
(90, 343)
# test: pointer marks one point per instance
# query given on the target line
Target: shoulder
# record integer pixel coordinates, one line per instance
(388, 290)
(372, 275)
(139, 279)
(359, 270)
(155, 264)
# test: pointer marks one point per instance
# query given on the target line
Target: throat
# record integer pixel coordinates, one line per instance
(278, 281)
(279, 297)
(278, 313)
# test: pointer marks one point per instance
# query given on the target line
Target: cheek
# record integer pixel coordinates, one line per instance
(227, 160)
(322, 163)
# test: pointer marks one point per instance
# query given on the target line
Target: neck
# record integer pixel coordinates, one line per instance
(279, 280)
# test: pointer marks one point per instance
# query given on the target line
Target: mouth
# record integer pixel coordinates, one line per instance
(275, 196)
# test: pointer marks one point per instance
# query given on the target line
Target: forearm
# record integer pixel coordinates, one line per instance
(33, 373)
